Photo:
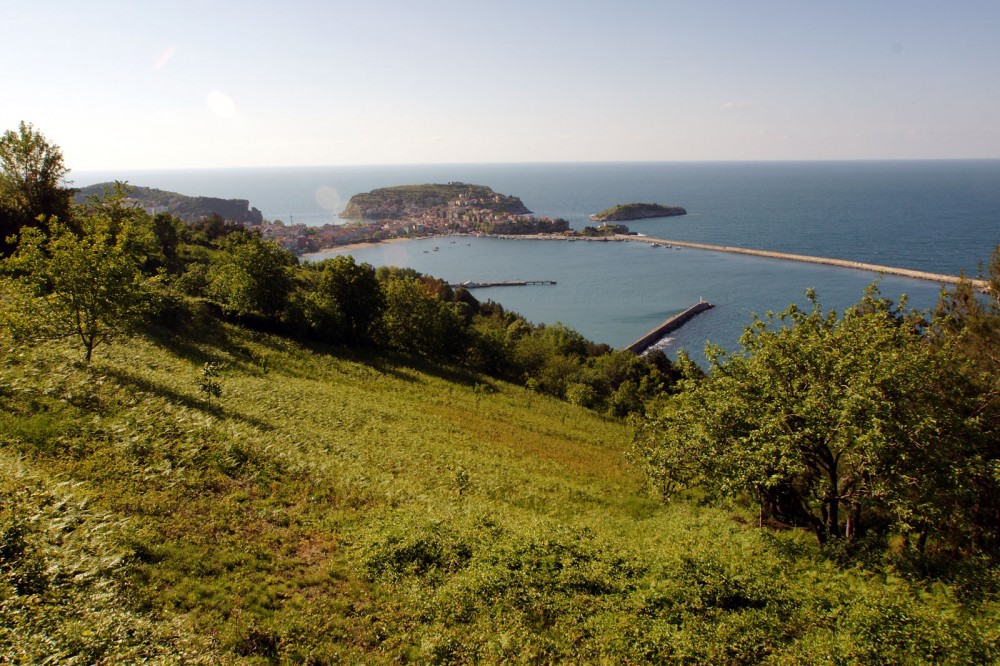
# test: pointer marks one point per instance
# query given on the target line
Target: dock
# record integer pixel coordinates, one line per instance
(645, 342)
(506, 283)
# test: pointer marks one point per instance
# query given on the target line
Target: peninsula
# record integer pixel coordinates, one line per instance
(414, 211)
(187, 208)
(637, 211)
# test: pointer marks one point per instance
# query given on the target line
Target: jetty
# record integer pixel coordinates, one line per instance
(842, 263)
(641, 345)
(504, 283)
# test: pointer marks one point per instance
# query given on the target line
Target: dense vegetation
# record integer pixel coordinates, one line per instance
(189, 209)
(636, 211)
(869, 425)
(257, 461)
(398, 202)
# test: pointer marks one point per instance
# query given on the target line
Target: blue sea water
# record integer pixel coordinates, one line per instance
(937, 216)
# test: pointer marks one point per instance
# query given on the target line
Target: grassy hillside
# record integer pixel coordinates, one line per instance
(330, 509)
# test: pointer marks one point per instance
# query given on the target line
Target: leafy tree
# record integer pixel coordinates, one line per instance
(347, 303)
(972, 321)
(168, 231)
(88, 282)
(418, 322)
(831, 423)
(251, 276)
(31, 173)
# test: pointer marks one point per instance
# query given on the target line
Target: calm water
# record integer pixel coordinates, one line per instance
(938, 216)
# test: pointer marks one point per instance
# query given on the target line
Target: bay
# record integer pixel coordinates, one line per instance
(614, 292)
(936, 216)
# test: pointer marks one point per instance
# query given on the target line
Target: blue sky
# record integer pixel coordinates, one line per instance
(242, 84)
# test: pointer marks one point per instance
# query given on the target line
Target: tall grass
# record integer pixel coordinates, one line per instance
(325, 507)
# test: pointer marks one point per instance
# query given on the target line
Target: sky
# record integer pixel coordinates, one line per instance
(220, 84)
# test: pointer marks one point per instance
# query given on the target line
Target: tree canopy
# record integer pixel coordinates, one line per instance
(85, 282)
(251, 277)
(31, 175)
(835, 423)
(347, 303)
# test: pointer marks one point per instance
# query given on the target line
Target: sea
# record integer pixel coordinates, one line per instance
(939, 216)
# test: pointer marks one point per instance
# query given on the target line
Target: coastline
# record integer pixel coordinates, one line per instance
(337, 249)
(621, 238)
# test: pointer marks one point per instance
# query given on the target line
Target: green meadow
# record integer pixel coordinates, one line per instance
(330, 506)
(211, 453)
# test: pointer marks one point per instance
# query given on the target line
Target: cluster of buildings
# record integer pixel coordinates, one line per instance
(462, 215)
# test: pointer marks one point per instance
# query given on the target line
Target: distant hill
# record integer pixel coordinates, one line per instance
(189, 209)
(637, 211)
(410, 200)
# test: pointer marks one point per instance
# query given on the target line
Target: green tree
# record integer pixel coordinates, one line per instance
(168, 231)
(31, 175)
(831, 423)
(347, 303)
(251, 276)
(972, 321)
(87, 282)
(418, 322)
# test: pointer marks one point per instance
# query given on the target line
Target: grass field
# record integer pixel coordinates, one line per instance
(338, 507)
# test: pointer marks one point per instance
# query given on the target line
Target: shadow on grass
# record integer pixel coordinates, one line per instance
(214, 408)
(197, 332)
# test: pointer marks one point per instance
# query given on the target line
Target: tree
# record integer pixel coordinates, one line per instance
(251, 276)
(347, 303)
(31, 173)
(87, 282)
(831, 423)
(418, 322)
(168, 232)
(972, 321)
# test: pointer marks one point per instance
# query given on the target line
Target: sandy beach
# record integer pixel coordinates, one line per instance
(336, 249)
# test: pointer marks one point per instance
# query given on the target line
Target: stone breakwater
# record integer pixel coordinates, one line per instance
(842, 263)
(641, 345)
(940, 278)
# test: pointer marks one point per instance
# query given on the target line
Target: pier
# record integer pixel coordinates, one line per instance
(645, 342)
(507, 283)
(842, 263)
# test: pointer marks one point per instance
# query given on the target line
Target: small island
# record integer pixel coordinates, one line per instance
(405, 201)
(637, 211)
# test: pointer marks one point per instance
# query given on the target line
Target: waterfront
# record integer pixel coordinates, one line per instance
(615, 292)
(935, 216)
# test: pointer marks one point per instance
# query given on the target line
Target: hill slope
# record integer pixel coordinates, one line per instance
(187, 208)
(334, 509)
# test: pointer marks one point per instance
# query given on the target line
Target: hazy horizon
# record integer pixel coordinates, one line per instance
(188, 85)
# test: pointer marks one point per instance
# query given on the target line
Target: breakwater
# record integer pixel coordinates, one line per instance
(505, 283)
(842, 263)
(670, 325)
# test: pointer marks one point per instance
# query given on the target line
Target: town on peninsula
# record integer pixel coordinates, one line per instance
(405, 211)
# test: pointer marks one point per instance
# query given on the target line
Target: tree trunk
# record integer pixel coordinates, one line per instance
(833, 499)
